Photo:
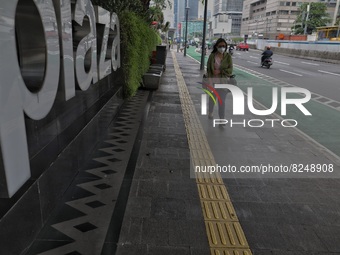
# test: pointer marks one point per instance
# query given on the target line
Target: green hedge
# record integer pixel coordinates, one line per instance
(138, 41)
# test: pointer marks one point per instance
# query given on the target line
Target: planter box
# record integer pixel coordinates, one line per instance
(157, 66)
(155, 71)
(152, 80)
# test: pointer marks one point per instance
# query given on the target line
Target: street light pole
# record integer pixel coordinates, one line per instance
(336, 12)
(256, 28)
(204, 29)
(186, 28)
(179, 42)
(308, 8)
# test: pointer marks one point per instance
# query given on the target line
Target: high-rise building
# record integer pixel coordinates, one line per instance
(227, 17)
(180, 12)
(193, 9)
(174, 8)
(269, 18)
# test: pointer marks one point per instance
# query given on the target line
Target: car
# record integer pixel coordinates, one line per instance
(242, 46)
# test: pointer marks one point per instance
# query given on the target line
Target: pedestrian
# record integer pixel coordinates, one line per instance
(220, 71)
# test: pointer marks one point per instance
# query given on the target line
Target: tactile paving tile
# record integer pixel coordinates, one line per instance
(207, 178)
(213, 192)
(222, 251)
(219, 211)
(201, 153)
(224, 232)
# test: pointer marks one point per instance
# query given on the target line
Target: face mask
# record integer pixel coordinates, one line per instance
(221, 50)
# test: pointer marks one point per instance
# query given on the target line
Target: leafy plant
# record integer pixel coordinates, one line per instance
(317, 17)
(162, 4)
(138, 40)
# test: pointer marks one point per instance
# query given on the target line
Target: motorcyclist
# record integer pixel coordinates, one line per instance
(266, 54)
(231, 49)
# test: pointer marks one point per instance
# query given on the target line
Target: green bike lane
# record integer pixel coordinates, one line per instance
(324, 124)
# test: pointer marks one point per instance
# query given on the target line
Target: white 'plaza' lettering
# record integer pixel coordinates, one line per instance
(64, 68)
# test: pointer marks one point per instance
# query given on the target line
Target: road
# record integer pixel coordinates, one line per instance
(322, 79)
(317, 77)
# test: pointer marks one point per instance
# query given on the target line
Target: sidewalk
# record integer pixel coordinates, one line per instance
(136, 194)
(278, 215)
(163, 214)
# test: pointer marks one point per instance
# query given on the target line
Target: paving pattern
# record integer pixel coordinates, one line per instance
(81, 222)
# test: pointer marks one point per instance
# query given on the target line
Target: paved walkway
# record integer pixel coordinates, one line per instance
(137, 195)
(279, 215)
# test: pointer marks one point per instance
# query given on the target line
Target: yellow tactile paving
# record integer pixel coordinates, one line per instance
(213, 192)
(197, 145)
(224, 232)
(200, 153)
(202, 162)
(222, 251)
(206, 178)
(218, 211)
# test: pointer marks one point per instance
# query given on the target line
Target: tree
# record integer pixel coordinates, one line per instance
(118, 6)
(163, 3)
(337, 22)
(156, 14)
(317, 17)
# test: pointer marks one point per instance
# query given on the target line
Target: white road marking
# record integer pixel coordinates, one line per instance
(328, 73)
(282, 63)
(307, 63)
(253, 62)
(253, 57)
(290, 72)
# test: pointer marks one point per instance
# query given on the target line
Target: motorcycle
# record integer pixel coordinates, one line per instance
(231, 50)
(267, 62)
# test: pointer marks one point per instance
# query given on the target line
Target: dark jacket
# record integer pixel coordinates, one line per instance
(267, 53)
(226, 65)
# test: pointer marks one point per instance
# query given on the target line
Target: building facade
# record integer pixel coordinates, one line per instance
(194, 13)
(227, 17)
(269, 18)
(195, 29)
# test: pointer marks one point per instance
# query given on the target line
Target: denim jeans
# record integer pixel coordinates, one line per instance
(221, 106)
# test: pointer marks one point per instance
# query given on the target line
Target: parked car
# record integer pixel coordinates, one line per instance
(242, 46)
